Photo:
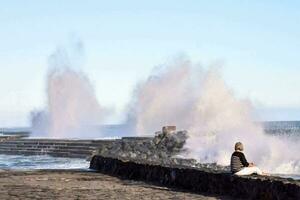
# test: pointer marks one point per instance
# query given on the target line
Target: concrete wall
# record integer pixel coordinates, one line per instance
(196, 180)
(54, 147)
(154, 160)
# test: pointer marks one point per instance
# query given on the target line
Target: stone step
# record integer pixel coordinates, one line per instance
(46, 150)
(41, 147)
(47, 147)
(53, 147)
(50, 143)
(55, 154)
(63, 140)
(26, 152)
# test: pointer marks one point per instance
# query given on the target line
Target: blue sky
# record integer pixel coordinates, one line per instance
(257, 42)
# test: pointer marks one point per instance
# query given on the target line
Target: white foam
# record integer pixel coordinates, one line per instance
(19, 162)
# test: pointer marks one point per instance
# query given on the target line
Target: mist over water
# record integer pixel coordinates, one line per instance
(199, 101)
(73, 110)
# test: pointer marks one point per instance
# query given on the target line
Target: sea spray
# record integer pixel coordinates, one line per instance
(73, 107)
(199, 101)
(159, 98)
(73, 110)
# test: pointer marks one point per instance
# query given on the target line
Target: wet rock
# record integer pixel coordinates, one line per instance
(171, 142)
(160, 149)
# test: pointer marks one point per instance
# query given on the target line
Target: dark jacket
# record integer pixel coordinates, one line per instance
(238, 161)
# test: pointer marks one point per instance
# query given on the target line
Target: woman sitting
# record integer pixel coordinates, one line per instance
(239, 165)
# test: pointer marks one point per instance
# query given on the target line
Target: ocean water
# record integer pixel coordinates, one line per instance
(289, 128)
(19, 162)
(293, 176)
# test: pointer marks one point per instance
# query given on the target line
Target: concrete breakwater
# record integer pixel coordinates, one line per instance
(153, 149)
(197, 180)
(53, 147)
(155, 160)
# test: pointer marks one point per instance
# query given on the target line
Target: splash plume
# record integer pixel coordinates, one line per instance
(199, 101)
(73, 107)
(73, 110)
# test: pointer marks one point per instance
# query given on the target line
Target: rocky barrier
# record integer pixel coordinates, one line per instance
(165, 148)
(197, 180)
(156, 160)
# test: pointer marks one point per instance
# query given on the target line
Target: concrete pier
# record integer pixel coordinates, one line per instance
(52, 147)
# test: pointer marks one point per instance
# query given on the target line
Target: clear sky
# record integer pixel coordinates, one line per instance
(258, 43)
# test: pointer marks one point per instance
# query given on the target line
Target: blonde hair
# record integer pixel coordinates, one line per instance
(238, 146)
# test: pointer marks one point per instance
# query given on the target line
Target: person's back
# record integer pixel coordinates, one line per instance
(239, 165)
(238, 161)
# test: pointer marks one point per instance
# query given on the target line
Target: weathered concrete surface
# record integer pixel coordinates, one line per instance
(54, 147)
(63, 184)
(4, 138)
(251, 187)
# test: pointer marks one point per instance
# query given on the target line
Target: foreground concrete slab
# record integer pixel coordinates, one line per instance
(66, 184)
